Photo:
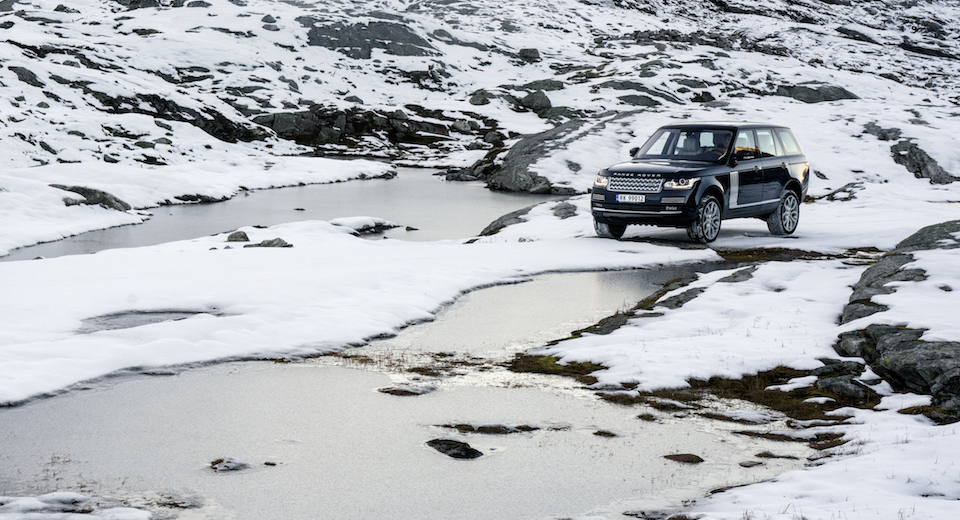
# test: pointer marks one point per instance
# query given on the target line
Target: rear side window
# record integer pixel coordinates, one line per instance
(790, 145)
(767, 143)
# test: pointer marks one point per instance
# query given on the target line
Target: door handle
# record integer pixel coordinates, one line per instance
(783, 165)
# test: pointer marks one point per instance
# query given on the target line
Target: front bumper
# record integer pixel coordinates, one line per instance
(674, 209)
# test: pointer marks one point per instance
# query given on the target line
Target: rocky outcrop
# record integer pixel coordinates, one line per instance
(93, 197)
(515, 175)
(815, 93)
(898, 354)
(919, 163)
(321, 125)
(359, 40)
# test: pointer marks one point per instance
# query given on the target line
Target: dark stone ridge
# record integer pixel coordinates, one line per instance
(898, 354)
(514, 173)
(322, 125)
(93, 196)
(358, 40)
(921, 165)
(815, 93)
(454, 449)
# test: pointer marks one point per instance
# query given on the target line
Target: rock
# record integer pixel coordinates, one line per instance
(268, 19)
(564, 210)
(815, 93)
(639, 100)
(509, 219)
(514, 173)
(238, 236)
(921, 165)
(27, 76)
(687, 458)
(897, 354)
(322, 125)
(543, 84)
(480, 97)
(228, 464)
(455, 449)
(64, 9)
(275, 242)
(536, 101)
(358, 40)
(845, 386)
(529, 55)
(93, 196)
(884, 134)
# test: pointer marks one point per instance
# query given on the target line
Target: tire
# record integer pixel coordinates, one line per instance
(605, 230)
(706, 228)
(784, 220)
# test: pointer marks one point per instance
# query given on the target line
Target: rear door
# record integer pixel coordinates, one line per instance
(776, 171)
(746, 178)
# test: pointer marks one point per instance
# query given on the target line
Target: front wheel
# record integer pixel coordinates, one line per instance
(706, 228)
(605, 230)
(784, 220)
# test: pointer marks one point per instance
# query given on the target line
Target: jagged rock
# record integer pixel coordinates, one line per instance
(921, 165)
(815, 93)
(93, 196)
(455, 449)
(358, 40)
(514, 174)
(327, 125)
(897, 354)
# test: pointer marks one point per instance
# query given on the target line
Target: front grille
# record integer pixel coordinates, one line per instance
(638, 182)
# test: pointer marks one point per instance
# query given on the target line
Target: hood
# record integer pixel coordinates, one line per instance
(662, 167)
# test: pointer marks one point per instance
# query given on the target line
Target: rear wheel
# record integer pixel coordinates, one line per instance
(605, 230)
(706, 227)
(784, 220)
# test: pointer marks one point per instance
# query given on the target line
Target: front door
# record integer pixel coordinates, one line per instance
(746, 179)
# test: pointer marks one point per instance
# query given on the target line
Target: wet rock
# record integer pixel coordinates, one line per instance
(687, 458)
(815, 93)
(454, 449)
(238, 236)
(921, 165)
(228, 464)
(92, 196)
(274, 242)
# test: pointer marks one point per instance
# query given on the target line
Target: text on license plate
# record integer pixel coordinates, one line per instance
(636, 199)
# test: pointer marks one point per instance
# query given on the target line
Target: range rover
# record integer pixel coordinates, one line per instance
(695, 175)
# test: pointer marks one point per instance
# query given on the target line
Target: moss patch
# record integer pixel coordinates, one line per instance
(525, 363)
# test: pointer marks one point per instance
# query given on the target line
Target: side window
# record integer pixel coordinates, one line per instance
(767, 143)
(790, 144)
(746, 146)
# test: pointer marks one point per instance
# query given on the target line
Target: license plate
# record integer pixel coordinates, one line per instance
(635, 199)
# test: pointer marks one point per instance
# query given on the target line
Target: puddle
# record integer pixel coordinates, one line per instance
(320, 440)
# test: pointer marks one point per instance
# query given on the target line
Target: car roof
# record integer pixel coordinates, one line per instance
(721, 125)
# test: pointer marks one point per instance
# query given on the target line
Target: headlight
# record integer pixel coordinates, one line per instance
(601, 181)
(680, 184)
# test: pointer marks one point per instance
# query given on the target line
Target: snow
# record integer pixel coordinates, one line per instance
(332, 290)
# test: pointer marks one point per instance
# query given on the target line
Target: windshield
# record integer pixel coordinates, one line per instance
(687, 145)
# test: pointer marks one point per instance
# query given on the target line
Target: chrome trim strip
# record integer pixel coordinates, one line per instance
(636, 212)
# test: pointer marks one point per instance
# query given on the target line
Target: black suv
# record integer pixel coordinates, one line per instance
(694, 175)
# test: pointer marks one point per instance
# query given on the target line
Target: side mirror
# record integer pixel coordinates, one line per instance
(634, 150)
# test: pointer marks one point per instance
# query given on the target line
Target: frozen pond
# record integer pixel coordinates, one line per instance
(414, 198)
(322, 440)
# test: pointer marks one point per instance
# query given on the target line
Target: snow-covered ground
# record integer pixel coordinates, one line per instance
(332, 289)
